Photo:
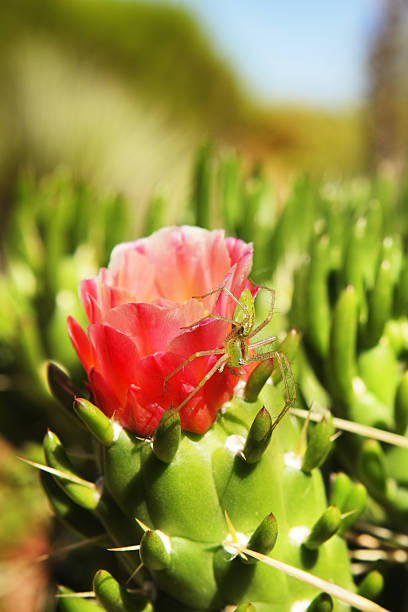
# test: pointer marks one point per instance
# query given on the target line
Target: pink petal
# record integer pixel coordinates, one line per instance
(189, 261)
(235, 281)
(123, 247)
(237, 249)
(190, 311)
(81, 343)
(93, 311)
(110, 297)
(133, 273)
(150, 327)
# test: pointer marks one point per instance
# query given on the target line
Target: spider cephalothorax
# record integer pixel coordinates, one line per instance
(237, 350)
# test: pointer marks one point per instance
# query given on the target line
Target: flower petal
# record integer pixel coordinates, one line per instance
(150, 327)
(189, 261)
(87, 289)
(140, 415)
(117, 357)
(103, 394)
(132, 272)
(81, 343)
(235, 281)
(205, 336)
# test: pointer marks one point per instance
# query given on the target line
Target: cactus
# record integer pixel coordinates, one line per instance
(200, 496)
(55, 236)
(351, 302)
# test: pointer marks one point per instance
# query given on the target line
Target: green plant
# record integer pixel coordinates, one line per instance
(55, 236)
(200, 505)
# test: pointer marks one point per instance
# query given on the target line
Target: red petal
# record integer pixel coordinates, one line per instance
(93, 310)
(140, 416)
(88, 289)
(205, 336)
(81, 343)
(103, 394)
(151, 373)
(117, 357)
(196, 416)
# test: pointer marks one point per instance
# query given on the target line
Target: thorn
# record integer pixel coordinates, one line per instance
(348, 597)
(63, 550)
(58, 473)
(83, 594)
(125, 548)
(142, 525)
(357, 428)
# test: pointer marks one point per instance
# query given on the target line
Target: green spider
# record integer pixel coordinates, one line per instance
(234, 353)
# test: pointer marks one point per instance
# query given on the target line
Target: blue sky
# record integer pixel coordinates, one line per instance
(298, 51)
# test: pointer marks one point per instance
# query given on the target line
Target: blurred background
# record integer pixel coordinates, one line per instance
(105, 106)
(122, 92)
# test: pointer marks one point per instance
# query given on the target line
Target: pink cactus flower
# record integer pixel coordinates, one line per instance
(140, 309)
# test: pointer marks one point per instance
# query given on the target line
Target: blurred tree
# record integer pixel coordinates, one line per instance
(388, 89)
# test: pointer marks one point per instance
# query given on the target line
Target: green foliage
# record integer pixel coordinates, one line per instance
(59, 232)
(180, 512)
(337, 253)
(353, 322)
(27, 510)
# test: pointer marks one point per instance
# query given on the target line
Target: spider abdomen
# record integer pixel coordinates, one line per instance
(235, 352)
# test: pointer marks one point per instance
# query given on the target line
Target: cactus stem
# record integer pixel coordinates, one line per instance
(301, 445)
(96, 421)
(349, 513)
(348, 597)
(167, 436)
(319, 445)
(155, 550)
(258, 437)
(357, 428)
(322, 603)
(324, 528)
(264, 537)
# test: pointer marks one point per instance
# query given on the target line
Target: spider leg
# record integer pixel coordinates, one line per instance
(261, 357)
(228, 292)
(290, 397)
(269, 315)
(211, 316)
(200, 297)
(220, 363)
(191, 358)
(263, 342)
(286, 372)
